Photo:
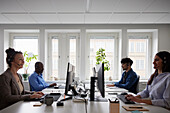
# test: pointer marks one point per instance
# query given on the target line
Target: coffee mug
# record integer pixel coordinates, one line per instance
(49, 101)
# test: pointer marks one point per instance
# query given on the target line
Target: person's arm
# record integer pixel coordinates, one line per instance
(138, 99)
(35, 84)
(117, 84)
(53, 84)
(165, 100)
(9, 91)
(129, 81)
(110, 85)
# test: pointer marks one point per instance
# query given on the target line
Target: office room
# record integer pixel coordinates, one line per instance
(56, 39)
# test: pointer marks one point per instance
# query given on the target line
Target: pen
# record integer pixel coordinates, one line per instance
(136, 107)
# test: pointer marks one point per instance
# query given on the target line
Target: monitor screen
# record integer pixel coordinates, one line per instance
(69, 77)
(100, 79)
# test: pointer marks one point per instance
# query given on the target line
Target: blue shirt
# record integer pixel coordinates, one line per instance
(158, 91)
(37, 83)
(130, 80)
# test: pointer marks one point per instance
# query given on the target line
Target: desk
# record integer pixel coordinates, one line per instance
(73, 107)
(151, 108)
(107, 89)
(115, 89)
(69, 107)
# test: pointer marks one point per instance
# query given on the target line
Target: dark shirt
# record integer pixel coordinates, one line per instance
(130, 79)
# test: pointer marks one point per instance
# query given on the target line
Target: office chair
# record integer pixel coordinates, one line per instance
(135, 86)
(29, 84)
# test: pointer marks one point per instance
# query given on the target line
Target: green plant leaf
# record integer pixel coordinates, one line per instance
(101, 57)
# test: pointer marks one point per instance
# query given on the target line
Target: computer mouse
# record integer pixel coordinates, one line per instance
(56, 87)
(83, 95)
(60, 103)
(124, 93)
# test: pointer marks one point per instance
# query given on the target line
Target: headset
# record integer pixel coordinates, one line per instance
(164, 60)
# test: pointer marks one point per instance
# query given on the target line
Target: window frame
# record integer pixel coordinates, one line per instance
(148, 63)
(13, 35)
(115, 36)
(61, 36)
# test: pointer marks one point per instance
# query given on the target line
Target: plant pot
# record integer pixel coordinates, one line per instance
(25, 76)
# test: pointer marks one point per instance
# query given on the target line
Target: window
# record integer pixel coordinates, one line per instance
(55, 56)
(106, 41)
(64, 48)
(131, 48)
(139, 64)
(141, 43)
(140, 46)
(26, 42)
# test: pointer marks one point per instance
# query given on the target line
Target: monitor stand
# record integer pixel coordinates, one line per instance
(100, 100)
(92, 92)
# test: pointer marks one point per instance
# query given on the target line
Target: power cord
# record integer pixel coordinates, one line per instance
(85, 101)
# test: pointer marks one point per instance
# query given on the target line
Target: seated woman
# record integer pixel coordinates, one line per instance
(11, 86)
(158, 86)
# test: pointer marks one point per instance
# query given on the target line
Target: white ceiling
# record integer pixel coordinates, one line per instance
(84, 11)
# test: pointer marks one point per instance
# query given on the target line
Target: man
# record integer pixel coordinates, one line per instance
(37, 83)
(129, 77)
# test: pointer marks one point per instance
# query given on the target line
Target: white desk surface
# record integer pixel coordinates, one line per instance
(69, 107)
(151, 108)
(107, 89)
(74, 107)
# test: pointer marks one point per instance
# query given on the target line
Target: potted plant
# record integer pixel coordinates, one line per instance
(28, 58)
(101, 58)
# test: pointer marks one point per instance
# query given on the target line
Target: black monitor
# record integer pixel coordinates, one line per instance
(99, 79)
(70, 79)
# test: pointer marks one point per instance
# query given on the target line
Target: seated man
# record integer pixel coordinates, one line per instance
(129, 77)
(37, 83)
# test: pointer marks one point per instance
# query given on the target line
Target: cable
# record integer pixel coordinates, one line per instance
(85, 101)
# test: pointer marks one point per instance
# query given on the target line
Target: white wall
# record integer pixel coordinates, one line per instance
(163, 37)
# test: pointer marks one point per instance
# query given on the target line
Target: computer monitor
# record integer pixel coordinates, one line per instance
(99, 79)
(70, 79)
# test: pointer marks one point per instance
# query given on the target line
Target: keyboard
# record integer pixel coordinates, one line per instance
(123, 98)
(55, 96)
(59, 87)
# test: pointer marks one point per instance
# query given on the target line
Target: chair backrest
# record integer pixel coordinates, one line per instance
(29, 84)
(136, 85)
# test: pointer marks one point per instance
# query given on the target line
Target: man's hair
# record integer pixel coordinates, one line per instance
(126, 60)
(37, 64)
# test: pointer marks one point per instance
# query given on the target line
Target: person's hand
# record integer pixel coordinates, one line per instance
(53, 84)
(41, 93)
(110, 85)
(35, 96)
(133, 98)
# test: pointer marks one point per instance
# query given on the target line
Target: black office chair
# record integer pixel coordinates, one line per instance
(135, 87)
(29, 84)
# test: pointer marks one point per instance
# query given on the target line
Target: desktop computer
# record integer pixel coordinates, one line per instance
(98, 78)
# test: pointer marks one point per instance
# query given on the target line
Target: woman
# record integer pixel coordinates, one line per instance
(11, 86)
(158, 86)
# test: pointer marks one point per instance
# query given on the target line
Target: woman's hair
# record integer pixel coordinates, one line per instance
(11, 55)
(165, 56)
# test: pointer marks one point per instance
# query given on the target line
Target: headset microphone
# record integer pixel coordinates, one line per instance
(17, 64)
